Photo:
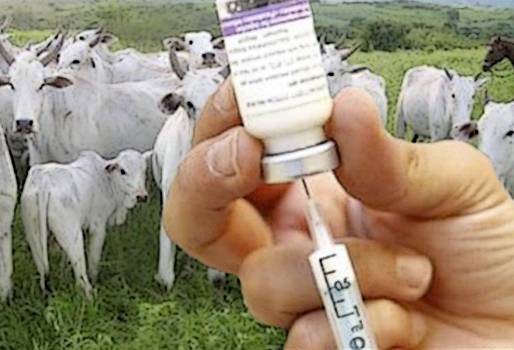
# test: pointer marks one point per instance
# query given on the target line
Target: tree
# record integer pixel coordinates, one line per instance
(385, 36)
(453, 16)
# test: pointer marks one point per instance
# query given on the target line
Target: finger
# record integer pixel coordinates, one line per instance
(218, 115)
(311, 332)
(392, 326)
(434, 180)
(203, 214)
(278, 284)
(395, 326)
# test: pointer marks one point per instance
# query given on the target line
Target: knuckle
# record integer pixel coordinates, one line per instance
(265, 303)
(390, 319)
(301, 335)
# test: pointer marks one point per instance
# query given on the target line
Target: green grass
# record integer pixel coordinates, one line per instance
(130, 311)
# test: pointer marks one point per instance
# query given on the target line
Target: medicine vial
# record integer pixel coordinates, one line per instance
(280, 84)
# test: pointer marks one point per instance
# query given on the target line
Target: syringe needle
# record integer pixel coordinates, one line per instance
(306, 187)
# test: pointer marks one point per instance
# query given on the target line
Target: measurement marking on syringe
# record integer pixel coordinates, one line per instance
(338, 286)
(356, 341)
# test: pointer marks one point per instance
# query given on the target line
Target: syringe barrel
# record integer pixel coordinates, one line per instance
(339, 290)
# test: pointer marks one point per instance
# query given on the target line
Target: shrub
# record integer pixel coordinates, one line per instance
(385, 36)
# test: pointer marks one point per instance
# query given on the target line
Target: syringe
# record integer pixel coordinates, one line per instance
(337, 285)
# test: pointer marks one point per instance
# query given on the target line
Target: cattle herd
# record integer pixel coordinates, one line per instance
(81, 125)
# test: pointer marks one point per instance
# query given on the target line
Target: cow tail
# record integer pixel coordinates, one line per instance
(34, 208)
(43, 227)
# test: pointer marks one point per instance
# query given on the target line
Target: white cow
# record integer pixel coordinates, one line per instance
(127, 58)
(108, 39)
(86, 195)
(435, 103)
(342, 75)
(85, 58)
(65, 115)
(17, 142)
(173, 143)
(360, 77)
(335, 59)
(8, 197)
(495, 132)
(203, 51)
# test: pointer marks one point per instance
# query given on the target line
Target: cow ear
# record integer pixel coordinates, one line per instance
(219, 43)
(148, 156)
(465, 132)
(4, 81)
(108, 39)
(112, 167)
(58, 82)
(174, 42)
(170, 103)
(481, 83)
(448, 74)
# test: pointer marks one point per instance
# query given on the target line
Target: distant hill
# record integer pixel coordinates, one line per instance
(480, 3)
(144, 23)
(485, 3)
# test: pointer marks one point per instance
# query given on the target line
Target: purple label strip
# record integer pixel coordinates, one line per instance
(266, 17)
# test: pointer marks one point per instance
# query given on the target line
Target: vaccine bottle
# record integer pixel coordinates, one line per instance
(280, 84)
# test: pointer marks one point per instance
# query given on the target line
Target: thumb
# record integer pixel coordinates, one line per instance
(423, 180)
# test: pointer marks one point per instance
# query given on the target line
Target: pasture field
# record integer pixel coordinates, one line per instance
(130, 311)
(144, 23)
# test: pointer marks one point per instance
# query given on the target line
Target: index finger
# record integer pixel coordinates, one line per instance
(421, 180)
(219, 114)
(205, 214)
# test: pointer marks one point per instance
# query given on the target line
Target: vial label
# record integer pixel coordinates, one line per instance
(273, 53)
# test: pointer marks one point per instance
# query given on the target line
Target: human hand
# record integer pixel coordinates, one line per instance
(441, 200)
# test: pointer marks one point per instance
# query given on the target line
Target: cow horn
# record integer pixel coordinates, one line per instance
(323, 39)
(487, 98)
(322, 43)
(448, 74)
(340, 42)
(6, 24)
(98, 38)
(351, 53)
(225, 72)
(175, 64)
(28, 46)
(53, 53)
(41, 50)
(8, 57)
(358, 69)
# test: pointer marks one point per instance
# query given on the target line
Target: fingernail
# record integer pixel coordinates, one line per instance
(222, 156)
(224, 97)
(414, 270)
